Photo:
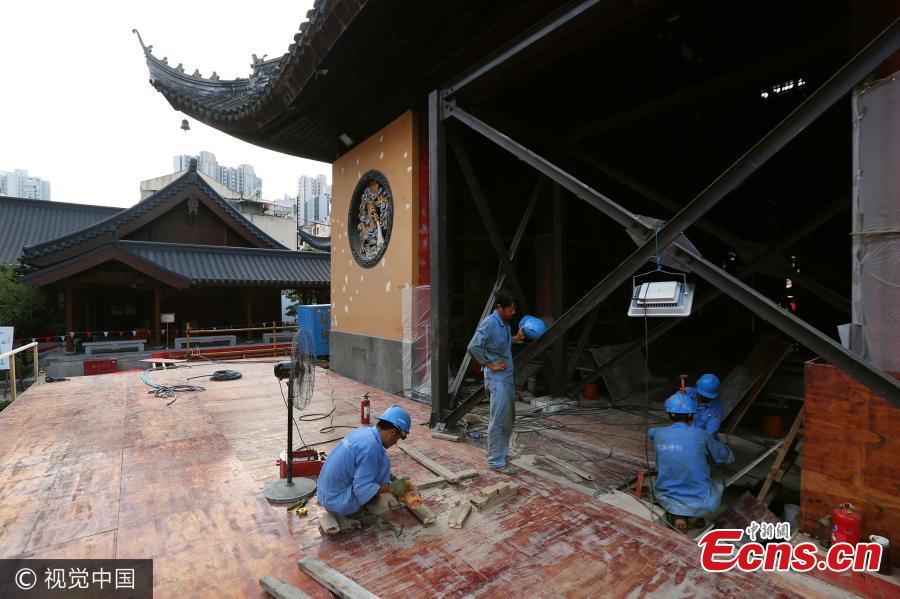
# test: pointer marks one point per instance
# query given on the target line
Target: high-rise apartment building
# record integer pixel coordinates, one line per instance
(18, 184)
(313, 200)
(242, 179)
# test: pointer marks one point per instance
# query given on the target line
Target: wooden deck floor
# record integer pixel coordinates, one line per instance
(97, 467)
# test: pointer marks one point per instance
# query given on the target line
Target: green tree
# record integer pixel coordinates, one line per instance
(25, 308)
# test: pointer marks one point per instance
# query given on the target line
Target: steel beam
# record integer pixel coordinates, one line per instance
(567, 17)
(582, 341)
(819, 291)
(440, 263)
(501, 279)
(869, 375)
(756, 262)
(876, 52)
(462, 158)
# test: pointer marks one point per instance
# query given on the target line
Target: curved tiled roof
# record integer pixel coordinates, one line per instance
(354, 66)
(219, 265)
(319, 243)
(26, 222)
(203, 265)
(108, 226)
(222, 103)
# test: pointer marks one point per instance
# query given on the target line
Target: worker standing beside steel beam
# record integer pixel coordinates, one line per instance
(491, 346)
(684, 454)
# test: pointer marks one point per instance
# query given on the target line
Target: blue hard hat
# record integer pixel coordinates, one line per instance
(680, 403)
(533, 327)
(708, 386)
(398, 417)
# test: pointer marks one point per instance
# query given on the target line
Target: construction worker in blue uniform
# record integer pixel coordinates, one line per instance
(491, 346)
(684, 454)
(357, 470)
(709, 409)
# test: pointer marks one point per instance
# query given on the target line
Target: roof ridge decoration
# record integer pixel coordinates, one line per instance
(108, 227)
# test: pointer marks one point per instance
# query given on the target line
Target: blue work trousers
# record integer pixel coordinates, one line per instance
(503, 409)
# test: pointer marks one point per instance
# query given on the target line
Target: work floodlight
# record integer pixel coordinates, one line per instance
(661, 298)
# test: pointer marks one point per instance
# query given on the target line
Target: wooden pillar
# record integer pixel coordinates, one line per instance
(70, 318)
(157, 325)
(248, 312)
(559, 349)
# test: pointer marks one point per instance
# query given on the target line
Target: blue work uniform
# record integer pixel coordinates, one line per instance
(684, 453)
(492, 342)
(353, 472)
(709, 412)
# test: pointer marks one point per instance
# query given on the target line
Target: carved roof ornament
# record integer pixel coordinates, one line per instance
(147, 49)
(214, 76)
(196, 73)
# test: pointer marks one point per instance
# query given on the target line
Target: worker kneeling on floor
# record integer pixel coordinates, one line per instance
(709, 408)
(358, 469)
(684, 454)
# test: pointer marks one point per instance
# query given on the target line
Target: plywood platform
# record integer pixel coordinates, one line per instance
(97, 467)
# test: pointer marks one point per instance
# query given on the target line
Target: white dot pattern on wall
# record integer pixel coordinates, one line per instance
(362, 278)
(357, 161)
(409, 169)
(381, 139)
(408, 206)
(346, 309)
(405, 154)
(387, 287)
(381, 156)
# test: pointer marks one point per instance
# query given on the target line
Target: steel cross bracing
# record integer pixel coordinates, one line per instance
(501, 279)
(777, 265)
(700, 301)
(442, 107)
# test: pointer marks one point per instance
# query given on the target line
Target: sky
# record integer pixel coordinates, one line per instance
(76, 107)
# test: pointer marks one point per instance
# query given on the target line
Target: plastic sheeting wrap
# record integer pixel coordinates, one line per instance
(417, 343)
(875, 329)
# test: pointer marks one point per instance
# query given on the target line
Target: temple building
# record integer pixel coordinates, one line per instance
(182, 250)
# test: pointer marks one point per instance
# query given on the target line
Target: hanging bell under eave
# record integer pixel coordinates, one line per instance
(185, 125)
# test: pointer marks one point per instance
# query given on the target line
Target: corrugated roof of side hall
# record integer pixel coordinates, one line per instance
(25, 222)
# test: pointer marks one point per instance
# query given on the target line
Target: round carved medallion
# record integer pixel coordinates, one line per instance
(370, 219)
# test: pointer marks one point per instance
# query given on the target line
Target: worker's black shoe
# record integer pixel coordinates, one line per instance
(507, 469)
(363, 515)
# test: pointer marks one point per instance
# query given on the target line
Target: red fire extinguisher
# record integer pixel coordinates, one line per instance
(846, 526)
(364, 409)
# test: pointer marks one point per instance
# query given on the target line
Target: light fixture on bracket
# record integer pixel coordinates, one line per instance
(661, 298)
